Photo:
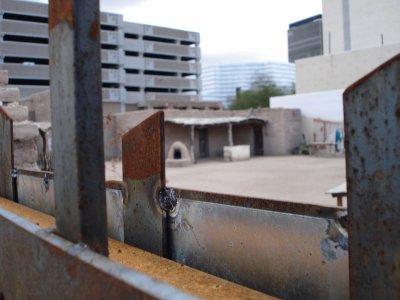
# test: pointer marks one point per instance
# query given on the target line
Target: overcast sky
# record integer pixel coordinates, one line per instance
(230, 30)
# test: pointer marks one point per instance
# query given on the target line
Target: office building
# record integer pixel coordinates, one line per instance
(305, 38)
(221, 81)
(142, 65)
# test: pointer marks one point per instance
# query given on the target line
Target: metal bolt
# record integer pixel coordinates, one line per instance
(168, 199)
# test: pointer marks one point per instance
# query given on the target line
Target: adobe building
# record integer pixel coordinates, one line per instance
(190, 135)
(205, 133)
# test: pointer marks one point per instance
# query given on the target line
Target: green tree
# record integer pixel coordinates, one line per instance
(258, 96)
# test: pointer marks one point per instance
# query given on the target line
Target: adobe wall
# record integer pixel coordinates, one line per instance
(282, 132)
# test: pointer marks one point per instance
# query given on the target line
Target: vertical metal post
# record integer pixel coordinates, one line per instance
(143, 167)
(6, 155)
(77, 124)
(192, 144)
(372, 136)
(230, 135)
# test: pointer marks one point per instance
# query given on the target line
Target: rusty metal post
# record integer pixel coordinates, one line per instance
(143, 167)
(76, 103)
(6, 155)
(372, 128)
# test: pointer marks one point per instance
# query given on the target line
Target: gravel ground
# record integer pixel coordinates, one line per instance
(290, 178)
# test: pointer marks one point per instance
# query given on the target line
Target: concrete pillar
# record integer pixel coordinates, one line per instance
(192, 144)
(230, 135)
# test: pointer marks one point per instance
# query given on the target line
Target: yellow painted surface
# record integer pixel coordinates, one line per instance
(186, 279)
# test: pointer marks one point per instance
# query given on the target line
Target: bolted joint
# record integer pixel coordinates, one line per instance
(167, 199)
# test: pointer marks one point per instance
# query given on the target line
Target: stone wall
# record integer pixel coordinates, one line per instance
(25, 133)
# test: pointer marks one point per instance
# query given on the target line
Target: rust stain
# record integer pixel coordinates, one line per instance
(398, 113)
(143, 149)
(379, 175)
(95, 29)
(61, 11)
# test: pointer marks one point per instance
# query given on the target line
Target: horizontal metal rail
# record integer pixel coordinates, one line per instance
(37, 264)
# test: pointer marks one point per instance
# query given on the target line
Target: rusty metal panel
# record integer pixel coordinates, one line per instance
(372, 127)
(36, 264)
(77, 122)
(143, 167)
(6, 155)
(295, 251)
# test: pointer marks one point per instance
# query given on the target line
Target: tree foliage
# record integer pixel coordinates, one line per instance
(258, 96)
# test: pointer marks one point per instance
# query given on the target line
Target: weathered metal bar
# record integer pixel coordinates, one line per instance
(36, 264)
(288, 250)
(372, 142)
(6, 155)
(143, 167)
(310, 210)
(76, 103)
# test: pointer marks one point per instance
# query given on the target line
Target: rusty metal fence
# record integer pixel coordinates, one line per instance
(289, 250)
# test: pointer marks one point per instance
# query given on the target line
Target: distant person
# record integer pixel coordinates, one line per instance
(338, 139)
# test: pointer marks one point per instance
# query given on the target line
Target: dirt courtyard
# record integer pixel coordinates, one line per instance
(290, 178)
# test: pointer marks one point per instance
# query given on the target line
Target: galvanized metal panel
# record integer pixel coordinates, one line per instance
(372, 126)
(143, 167)
(36, 264)
(292, 251)
(36, 190)
(77, 122)
(116, 196)
(6, 155)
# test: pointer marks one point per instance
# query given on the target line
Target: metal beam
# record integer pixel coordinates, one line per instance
(47, 266)
(6, 155)
(77, 123)
(372, 127)
(143, 167)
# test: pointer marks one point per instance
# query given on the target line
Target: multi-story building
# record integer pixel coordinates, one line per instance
(221, 81)
(142, 65)
(305, 38)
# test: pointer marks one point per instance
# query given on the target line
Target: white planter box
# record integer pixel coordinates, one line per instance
(236, 153)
